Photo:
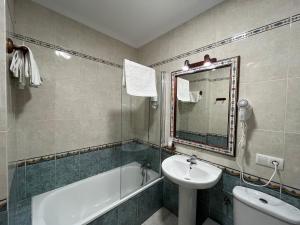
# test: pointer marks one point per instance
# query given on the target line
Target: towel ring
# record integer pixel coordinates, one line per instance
(10, 47)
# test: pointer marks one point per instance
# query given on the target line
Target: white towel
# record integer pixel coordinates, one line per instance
(17, 67)
(194, 96)
(32, 69)
(25, 67)
(183, 90)
(139, 80)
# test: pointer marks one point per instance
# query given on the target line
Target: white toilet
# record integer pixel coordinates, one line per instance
(251, 207)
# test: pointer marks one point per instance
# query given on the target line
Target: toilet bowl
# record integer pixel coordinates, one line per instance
(251, 207)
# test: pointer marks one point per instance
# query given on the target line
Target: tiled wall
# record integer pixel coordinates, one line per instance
(269, 76)
(3, 105)
(7, 125)
(39, 175)
(136, 210)
(3, 213)
(79, 103)
(217, 202)
(67, 111)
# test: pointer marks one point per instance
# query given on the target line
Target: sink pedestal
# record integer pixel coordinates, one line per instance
(187, 206)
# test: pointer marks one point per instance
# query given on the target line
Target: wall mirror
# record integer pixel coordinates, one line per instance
(204, 110)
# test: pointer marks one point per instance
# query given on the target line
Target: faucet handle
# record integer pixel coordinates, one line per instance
(192, 159)
(194, 156)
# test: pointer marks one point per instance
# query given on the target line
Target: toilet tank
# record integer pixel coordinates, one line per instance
(251, 207)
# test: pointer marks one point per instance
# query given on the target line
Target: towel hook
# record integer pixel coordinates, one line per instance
(10, 47)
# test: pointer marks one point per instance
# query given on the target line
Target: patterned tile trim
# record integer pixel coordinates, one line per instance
(146, 143)
(31, 161)
(248, 177)
(3, 205)
(62, 49)
(235, 38)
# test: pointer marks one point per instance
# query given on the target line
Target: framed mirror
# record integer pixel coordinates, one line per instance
(204, 110)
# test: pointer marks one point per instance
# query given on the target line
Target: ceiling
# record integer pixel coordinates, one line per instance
(134, 22)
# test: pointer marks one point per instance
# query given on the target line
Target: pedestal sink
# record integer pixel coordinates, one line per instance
(189, 177)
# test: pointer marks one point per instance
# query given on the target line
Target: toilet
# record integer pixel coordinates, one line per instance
(251, 207)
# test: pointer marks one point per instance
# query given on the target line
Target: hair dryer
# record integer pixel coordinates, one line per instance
(245, 110)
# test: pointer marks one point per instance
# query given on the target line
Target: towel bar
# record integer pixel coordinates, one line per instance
(10, 47)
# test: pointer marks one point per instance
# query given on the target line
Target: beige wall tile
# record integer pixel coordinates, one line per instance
(3, 97)
(34, 20)
(268, 100)
(263, 142)
(266, 61)
(293, 106)
(294, 51)
(79, 103)
(292, 158)
(35, 138)
(3, 165)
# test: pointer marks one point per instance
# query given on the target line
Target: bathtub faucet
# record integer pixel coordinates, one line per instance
(145, 164)
(144, 167)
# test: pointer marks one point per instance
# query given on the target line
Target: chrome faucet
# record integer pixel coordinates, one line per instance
(192, 160)
(145, 166)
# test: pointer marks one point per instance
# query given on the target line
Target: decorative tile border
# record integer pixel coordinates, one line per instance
(35, 160)
(62, 49)
(248, 177)
(235, 38)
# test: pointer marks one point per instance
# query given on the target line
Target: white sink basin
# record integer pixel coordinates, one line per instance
(189, 177)
(201, 175)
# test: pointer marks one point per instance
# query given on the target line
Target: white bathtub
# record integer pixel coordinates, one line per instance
(81, 202)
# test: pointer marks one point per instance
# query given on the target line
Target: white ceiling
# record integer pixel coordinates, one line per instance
(134, 22)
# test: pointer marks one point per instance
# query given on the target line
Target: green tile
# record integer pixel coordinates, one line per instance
(40, 178)
(67, 170)
(127, 212)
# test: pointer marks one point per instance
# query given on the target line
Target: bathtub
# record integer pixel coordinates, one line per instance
(81, 202)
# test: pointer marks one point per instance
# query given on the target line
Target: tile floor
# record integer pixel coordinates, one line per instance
(162, 217)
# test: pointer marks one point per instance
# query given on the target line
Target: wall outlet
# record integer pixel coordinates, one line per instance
(266, 160)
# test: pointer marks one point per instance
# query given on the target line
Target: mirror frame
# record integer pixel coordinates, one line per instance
(234, 64)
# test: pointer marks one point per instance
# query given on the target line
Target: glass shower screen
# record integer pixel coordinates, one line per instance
(141, 139)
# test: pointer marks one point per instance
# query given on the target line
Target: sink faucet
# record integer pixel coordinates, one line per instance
(192, 160)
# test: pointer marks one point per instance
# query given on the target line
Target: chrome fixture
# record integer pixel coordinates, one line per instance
(144, 170)
(192, 160)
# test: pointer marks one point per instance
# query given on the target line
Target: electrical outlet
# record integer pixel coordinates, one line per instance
(266, 160)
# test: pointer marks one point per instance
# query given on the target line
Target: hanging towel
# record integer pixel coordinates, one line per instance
(17, 67)
(183, 90)
(32, 70)
(194, 96)
(139, 80)
(25, 68)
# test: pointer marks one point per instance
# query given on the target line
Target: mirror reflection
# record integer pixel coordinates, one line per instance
(203, 107)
